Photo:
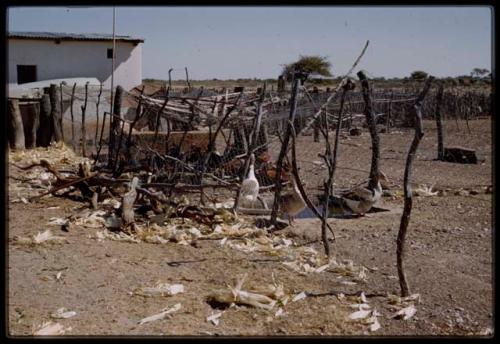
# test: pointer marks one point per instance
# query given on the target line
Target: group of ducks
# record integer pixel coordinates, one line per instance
(359, 200)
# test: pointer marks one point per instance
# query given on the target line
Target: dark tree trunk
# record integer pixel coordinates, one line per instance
(389, 110)
(16, 130)
(61, 107)
(44, 132)
(370, 120)
(55, 113)
(408, 201)
(284, 149)
(30, 117)
(281, 84)
(115, 125)
(97, 116)
(84, 129)
(439, 123)
(72, 117)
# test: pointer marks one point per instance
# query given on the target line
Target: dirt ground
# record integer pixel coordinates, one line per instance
(449, 258)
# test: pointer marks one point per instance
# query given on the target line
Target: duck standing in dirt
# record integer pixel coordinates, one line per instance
(292, 203)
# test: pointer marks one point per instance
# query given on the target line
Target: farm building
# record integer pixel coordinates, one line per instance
(36, 56)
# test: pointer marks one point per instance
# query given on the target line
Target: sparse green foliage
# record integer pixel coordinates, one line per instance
(308, 64)
(418, 75)
(479, 72)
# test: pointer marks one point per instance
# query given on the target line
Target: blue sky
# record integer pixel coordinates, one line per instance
(247, 42)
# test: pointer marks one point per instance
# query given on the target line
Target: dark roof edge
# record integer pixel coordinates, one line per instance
(71, 37)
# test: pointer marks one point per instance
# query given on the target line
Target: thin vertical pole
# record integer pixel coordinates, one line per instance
(113, 64)
(62, 111)
(187, 79)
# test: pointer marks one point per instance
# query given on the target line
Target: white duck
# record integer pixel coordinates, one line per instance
(292, 203)
(250, 186)
(361, 199)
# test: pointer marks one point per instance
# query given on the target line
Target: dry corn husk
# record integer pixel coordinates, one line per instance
(161, 315)
(57, 221)
(398, 300)
(214, 318)
(361, 314)
(235, 295)
(161, 289)
(121, 236)
(405, 313)
(425, 190)
(63, 313)
(40, 238)
(51, 329)
(93, 220)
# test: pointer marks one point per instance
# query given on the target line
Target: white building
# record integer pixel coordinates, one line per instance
(37, 56)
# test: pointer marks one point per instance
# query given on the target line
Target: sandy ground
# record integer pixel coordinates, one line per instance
(448, 261)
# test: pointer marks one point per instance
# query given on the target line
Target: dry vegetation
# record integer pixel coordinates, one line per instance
(97, 274)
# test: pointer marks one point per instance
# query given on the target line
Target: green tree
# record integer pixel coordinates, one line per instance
(479, 72)
(308, 64)
(418, 75)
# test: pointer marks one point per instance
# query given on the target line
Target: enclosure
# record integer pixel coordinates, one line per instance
(183, 220)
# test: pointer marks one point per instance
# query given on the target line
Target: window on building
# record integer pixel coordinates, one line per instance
(110, 53)
(26, 74)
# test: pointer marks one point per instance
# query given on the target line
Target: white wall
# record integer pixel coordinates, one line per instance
(77, 59)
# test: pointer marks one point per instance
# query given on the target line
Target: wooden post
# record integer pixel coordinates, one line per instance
(44, 132)
(115, 124)
(439, 124)
(316, 131)
(16, 130)
(405, 218)
(187, 79)
(97, 116)
(281, 84)
(457, 108)
(55, 113)
(284, 148)
(158, 117)
(30, 122)
(388, 123)
(170, 77)
(72, 118)
(370, 120)
(84, 130)
(62, 109)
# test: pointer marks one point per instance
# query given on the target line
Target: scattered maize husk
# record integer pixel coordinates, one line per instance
(360, 306)
(94, 220)
(51, 329)
(161, 289)
(299, 296)
(62, 313)
(275, 291)
(426, 191)
(39, 238)
(235, 295)
(348, 282)
(161, 315)
(113, 202)
(405, 313)
(359, 314)
(398, 300)
(105, 234)
(58, 221)
(214, 318)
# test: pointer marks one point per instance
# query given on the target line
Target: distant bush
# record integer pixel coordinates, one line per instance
(418, 75)
(308, 64)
